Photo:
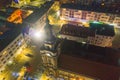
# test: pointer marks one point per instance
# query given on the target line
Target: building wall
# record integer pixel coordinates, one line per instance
(10, 51)
(100, 40)
(52, 70)
(85, 16)
(69, 37)
(49, 61)
(93, 69)
(68, 75)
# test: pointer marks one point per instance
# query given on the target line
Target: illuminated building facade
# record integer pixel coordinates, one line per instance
(97, 34)
(85, 14)
(10, 46)
(17, 39)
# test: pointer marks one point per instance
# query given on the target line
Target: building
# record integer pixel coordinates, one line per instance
(15, 41)
(38, 18)
(104, 35)
(97, 34)
(80, 13)
(76, 61)
(96, 62)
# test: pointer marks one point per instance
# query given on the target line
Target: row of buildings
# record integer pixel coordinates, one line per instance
(75, 61)
(79, 13)
(97, 34)
(69, 60)
(80, 54)
(11, 42)
(14, 37)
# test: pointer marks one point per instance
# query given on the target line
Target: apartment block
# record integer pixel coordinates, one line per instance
(79, 13)
(97, 34)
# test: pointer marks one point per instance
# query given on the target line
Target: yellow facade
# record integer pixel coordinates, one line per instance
(15, 17)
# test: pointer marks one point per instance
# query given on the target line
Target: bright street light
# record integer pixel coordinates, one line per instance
(39, 35)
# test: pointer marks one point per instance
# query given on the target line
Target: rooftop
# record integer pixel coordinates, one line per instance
(91, 61)
(102, 29)
(91, 8)
(3, 14)
(38, 12)
(84, 32)
(89, 52)
(79, 31)
(10, 33)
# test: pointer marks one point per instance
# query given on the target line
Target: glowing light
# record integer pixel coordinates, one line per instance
(84, 42)
(58, 13)
(113, 24)
(15, 74)
(19, 43)
(37, 34)
(10, 62)
(95, 22)
(4, 52)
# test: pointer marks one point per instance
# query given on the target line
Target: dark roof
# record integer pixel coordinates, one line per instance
(2, 22)
(38, 13)
(96, 62)
(102, 29)
(29, 7)
(84, 32)
(89, 52)
(10, 10)
(79, 31)
(90, 8)
(3, 15)
(8, 36)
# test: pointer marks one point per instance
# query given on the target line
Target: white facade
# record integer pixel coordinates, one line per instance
(82, 15)
(100, 40)
(10, 51)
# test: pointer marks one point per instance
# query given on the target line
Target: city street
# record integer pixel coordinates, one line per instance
(13, 69)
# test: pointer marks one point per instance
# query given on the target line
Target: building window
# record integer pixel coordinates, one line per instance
(4, 52)
(2, 59)
(4, 62)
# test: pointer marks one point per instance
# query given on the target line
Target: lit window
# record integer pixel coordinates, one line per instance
(4, 52)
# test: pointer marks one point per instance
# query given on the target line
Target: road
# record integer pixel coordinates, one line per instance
(19, 61)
